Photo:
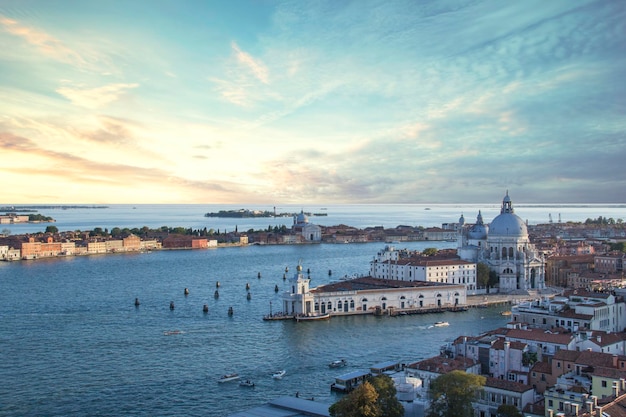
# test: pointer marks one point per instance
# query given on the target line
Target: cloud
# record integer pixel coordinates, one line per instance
(255, 66)
(45, 43)
(112, 130)
(95, 97)
(63, 168)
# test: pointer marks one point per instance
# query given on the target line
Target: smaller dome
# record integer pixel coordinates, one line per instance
(478, 230)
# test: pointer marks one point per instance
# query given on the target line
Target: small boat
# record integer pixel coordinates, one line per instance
(246, 383)
(441, 324)
(506, 313)
(312, 317)
(338, 363)
(228, 377)
(279, 374)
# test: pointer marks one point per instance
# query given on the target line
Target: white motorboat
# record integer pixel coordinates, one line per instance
(338, 363)
(228, 377)
(441, 324)
(313, 317)
(279, 374)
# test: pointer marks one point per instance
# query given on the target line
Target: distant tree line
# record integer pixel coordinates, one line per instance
(604, 221)
(39, 218)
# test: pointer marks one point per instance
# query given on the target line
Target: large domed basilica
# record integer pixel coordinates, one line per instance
(505, 247)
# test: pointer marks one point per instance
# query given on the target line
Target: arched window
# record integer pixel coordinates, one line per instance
(511, 252)
(339, 306)
(504, 252)
(351, 304)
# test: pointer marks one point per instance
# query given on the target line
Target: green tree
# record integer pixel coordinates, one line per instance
(508, 410)
(52, 229)
(362, 402)
(482, 274)
(452, 394)
(374, 398)
(429, 251)
(387, 400)
(529, 358)
(494, 280)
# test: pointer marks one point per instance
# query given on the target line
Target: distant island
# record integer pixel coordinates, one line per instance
(245, 213)
(30, 209)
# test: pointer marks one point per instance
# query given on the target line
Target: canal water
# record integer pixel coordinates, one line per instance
(73, 343)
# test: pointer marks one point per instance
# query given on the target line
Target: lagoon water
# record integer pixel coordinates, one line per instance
(73, 343)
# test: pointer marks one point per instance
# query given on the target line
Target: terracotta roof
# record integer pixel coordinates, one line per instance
(499, 344)
(567, 355)
(603, 371)
(617, 408)
(503, 384)
(441, 365)
(369, 283)
(605, 339)
(542, 367)
(540, 335)
(572, 314)
(598, 359)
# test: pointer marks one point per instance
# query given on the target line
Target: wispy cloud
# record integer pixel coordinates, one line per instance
(95, 97)
(255, 66)
(44, 42)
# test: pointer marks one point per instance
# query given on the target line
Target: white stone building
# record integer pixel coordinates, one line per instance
(301, 226)
(388, 264)
(505, 247)
(366, 295)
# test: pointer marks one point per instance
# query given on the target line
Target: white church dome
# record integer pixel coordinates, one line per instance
(302, 218)
(507, 223)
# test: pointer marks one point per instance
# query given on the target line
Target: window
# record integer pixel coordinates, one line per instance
(603, 384)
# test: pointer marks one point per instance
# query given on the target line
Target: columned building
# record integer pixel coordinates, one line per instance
(301, 226)
(504, 246)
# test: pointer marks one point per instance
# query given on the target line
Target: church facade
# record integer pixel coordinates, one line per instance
(504, 246)
(309, 231)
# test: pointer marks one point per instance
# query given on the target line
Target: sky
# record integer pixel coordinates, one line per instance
(289, 102)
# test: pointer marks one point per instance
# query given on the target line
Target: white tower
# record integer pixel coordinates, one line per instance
(298, 300)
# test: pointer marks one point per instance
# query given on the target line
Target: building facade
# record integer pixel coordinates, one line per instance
(505, 247)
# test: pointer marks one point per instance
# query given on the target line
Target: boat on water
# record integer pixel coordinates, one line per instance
(441, 324)
(313, 317)
(506, 313)
(338, 363)
(279, 374)
(228, 377)
(246, 383)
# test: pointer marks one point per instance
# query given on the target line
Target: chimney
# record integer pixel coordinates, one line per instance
(615, 389)
(615, 361)
(575, 409)
(568, 407)
(550, 412)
